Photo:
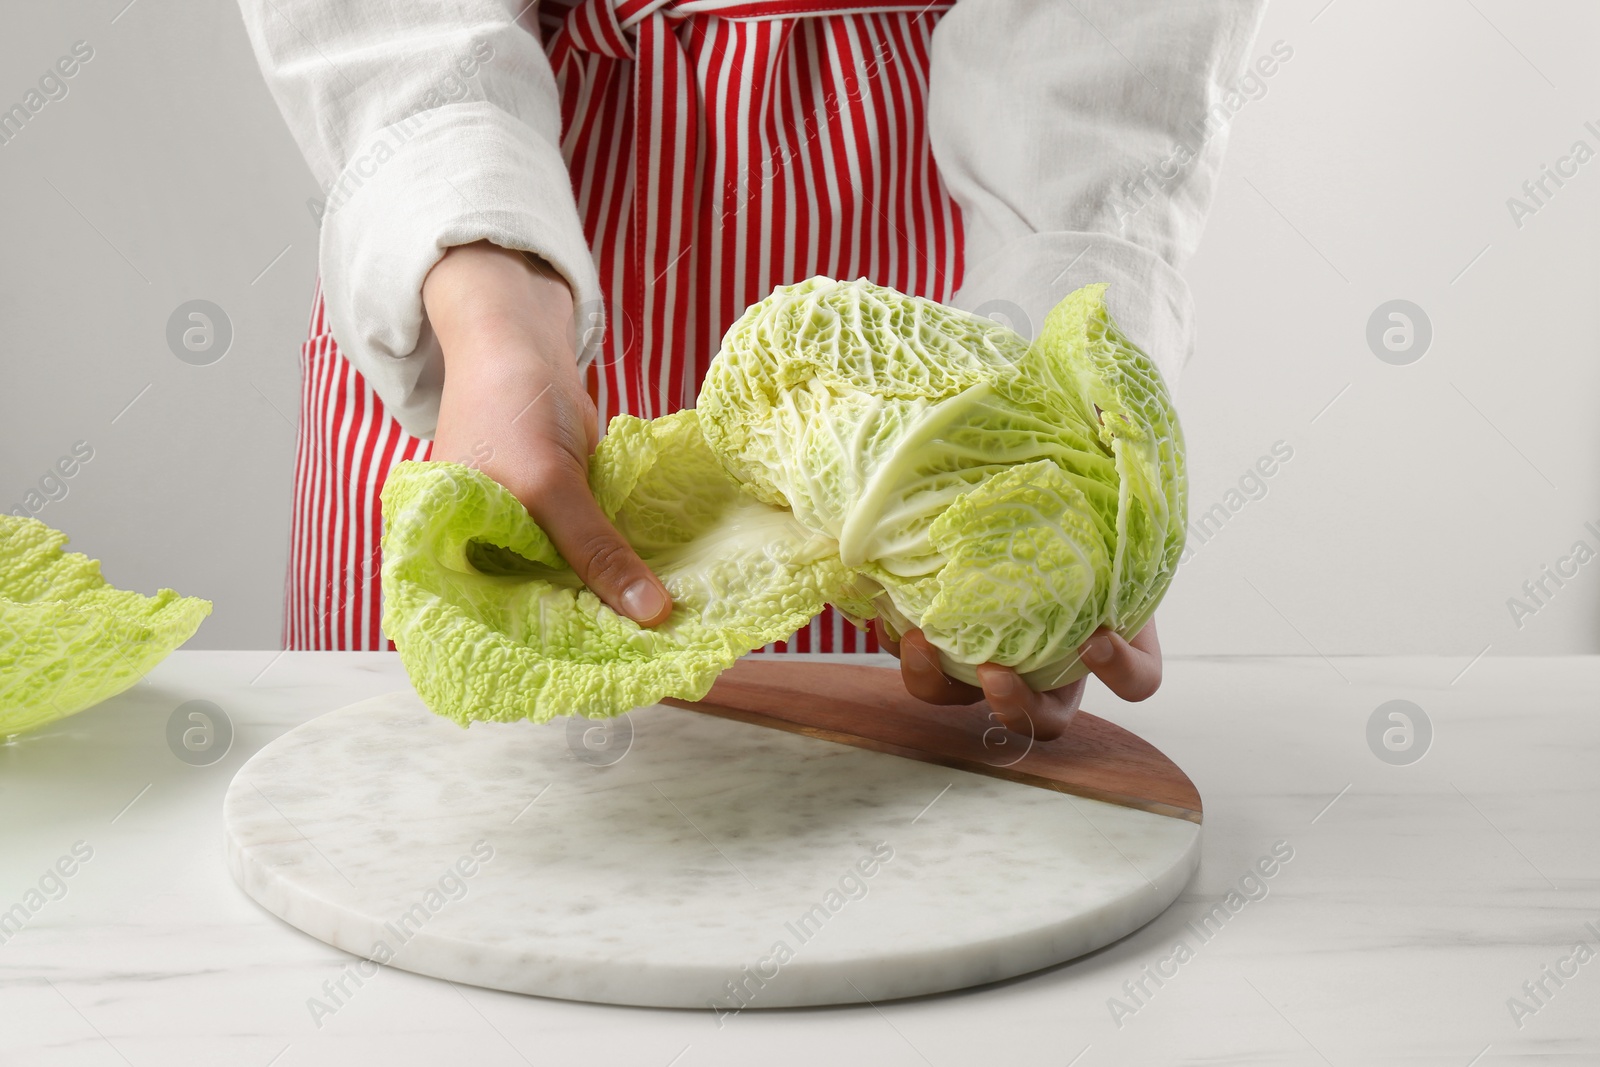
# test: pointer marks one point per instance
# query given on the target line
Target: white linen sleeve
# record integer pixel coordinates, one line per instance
(428, 123)
(1082, 140)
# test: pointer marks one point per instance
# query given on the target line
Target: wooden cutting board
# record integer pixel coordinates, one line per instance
(868, 707)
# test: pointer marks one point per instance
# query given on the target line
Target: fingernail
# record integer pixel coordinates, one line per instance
(1004, 684)
(642, 600)
(1097, 651)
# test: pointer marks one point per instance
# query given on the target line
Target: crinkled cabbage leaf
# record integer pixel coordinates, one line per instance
(851, 445)
(68, 639)
(492, 624)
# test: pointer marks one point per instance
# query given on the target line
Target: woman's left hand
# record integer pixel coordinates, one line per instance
(1130, 669)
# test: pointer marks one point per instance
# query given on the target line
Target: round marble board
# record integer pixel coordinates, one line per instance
(699, 863)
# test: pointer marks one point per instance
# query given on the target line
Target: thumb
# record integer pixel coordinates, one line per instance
(603, 559)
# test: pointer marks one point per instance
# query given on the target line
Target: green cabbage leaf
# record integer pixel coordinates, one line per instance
(492, 624)
(68, 639)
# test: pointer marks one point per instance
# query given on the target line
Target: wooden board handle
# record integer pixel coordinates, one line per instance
(868, 707)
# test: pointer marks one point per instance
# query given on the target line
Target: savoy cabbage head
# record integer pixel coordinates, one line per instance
(851, 445)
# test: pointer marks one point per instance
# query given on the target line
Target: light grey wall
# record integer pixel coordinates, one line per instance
(1376, 165)
(164, 175)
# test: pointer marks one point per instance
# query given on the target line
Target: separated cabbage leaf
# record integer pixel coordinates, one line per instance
(69, 640)
(492, 624)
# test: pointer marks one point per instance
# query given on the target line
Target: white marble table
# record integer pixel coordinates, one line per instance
(1417, 899)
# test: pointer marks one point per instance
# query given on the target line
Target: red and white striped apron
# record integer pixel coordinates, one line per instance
(718, 149)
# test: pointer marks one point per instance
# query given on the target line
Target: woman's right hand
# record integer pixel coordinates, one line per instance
(514, 406)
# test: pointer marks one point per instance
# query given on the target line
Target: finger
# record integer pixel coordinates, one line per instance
(885, 642)
(1042, 716)
(1058, 708)
(604, 561)
(919, 668)
(1130, 669)
(1009, 697)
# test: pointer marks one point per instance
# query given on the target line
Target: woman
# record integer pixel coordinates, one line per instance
(502, 183)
